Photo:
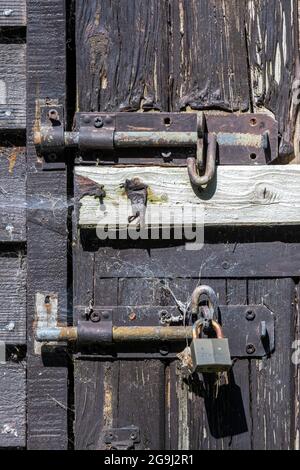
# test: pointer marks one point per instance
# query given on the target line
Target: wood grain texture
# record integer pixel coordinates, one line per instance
(47, 414)
(272, 380)
(12, 405)
(12, 13)
(12, 296)
(122, 55)
(208, 55)
(12, 86)
(239, 196)
(244, 257)
(296, 362)
(272, 31)
(12, 194)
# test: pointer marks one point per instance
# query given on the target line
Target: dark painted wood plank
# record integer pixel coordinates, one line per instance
(250, 259)
(12, 86)
(296, 363)
(12, 194)
(12, 13)
(47, 227)
(208, 55)
(122, 60)
(12, 405)
(238, 396)
(140, 390)
(272, 32)
(272, 380)
(13, 296)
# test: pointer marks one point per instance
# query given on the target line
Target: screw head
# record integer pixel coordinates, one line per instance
(98, 122)
(86, 119)
(226, 265)
(164, 351)
(250, 349)
(105, 315)
(95, 317)
(250, 315)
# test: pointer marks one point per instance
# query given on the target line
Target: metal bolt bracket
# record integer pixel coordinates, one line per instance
(199, 141)
(121, 438)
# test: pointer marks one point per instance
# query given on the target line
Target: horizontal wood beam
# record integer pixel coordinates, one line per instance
(239, 196)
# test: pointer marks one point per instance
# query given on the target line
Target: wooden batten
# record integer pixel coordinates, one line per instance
(239, 196)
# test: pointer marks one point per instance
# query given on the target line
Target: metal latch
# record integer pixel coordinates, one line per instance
(141, 332)
(121, 438)
(199, 141)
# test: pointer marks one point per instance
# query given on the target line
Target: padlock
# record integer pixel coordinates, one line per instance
(210, 355)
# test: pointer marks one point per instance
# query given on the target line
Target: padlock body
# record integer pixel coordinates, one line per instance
(210, 355)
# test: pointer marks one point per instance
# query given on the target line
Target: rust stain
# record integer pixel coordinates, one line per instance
(12, 160)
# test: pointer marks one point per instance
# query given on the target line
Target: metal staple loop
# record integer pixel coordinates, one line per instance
(196, 179)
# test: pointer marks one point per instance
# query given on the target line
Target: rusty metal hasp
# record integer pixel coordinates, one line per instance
(199, 141)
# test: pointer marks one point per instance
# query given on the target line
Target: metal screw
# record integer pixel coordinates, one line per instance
(226, 265)
(105, 315)
(133, 436)
(86, 119)
(108, 120)
(52, 157)
(95, 317)
(98, 122)
(250, 349)
(250, 315)
(164, 351)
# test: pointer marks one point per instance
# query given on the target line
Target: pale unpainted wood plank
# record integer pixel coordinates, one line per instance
(12, 13)
(12, 86)
(238, 196)
(12, 194)
(12, 405)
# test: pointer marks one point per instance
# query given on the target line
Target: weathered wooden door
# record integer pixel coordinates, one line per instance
(174, 55)
(142, 56)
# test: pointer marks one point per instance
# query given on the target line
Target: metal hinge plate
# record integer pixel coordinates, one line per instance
(124, 438)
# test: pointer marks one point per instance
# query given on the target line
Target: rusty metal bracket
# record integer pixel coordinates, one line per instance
(199, 141)
(121, 438)
(142, 332)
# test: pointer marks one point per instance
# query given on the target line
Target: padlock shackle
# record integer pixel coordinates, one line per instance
(212, 297)
(218, 329)
(198, 326)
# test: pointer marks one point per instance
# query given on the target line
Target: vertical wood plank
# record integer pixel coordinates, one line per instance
(272, 30)
(272, 380)
(46, 224)
(208, 55)
(122, 59)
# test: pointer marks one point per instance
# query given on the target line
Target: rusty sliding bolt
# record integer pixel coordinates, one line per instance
(196, 179)
(126, 334)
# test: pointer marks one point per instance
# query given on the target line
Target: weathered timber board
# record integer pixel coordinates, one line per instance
(12, 13)
(208, 55)
(272, 380)
(12, 405)
(12, 86)
(12, 296)
(239, 196)
(122, 67)
(272, 36)
(47, 413)
(12, 194)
